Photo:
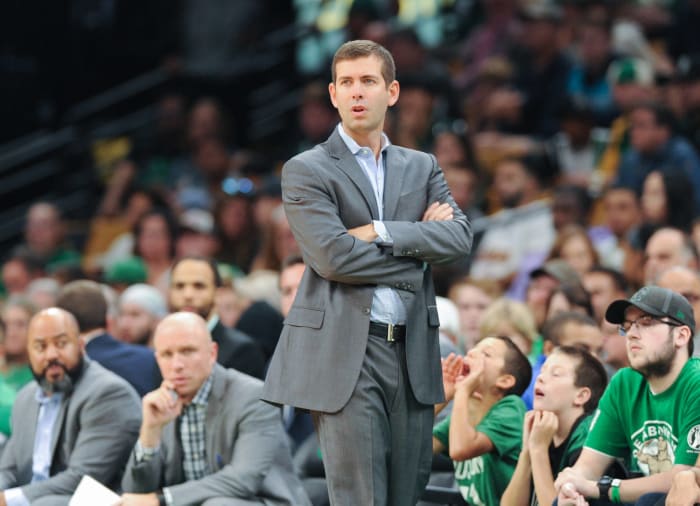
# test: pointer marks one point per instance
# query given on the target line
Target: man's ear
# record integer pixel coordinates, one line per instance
(505, 382)
(331, 92)
(394, 90)
(583, 395)
(683, 335)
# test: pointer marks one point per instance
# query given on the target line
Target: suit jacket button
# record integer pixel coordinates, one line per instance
(365, 310)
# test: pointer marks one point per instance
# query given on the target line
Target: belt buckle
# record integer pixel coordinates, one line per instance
(390, 333)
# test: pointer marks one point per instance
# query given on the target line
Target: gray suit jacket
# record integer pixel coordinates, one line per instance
(96, 428)
(325, 192)
(246, 450)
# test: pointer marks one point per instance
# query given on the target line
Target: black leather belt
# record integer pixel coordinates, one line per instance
(392, 333)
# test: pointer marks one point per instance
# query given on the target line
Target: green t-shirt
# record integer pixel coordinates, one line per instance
(483, 479)
(17, 377)
(10, 384)
(652, 432)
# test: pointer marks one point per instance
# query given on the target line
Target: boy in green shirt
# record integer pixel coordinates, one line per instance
(650, 413)
(482, 436)
(566, 392)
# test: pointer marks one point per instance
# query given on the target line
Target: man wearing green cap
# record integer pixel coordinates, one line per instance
(650, 413)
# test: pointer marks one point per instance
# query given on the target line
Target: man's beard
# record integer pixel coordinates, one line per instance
(65, 384)
(661, 364)
(513, 200)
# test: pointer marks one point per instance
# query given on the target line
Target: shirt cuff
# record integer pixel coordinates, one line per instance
(168, 496)
(144, 454)
(384, 238)
(15, 497)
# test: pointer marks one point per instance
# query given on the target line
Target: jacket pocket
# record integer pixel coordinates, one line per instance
(433, 318)
(305, 317)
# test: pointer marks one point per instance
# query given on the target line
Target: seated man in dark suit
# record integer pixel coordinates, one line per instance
(136, 364)
(76, 419)
(206, 437)
(193, 285)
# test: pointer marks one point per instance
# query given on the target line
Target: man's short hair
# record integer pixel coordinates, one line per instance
(589, 372)
(355, 49)
(553, 328)
(619, 281)
(213, 266)
(516, 364)
(86, 302)
(663, 116)
(291, 261)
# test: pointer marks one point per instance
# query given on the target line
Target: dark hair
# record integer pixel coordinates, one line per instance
(616, 276)
(680, 198)
(86, 302)
(213, 266)
(552, 328)
(291, 260)
(663, 116)
(170, 224)
(576, 295)
(355, 49)
(589, 373)
(516, 364)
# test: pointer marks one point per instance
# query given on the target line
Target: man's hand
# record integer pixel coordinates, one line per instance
(138, 500)
(438, 212)
(544, 426)
(452, 368)
(474, 366)
(581, 485)
(568, 496)
(159, 408)
(364, 233)
(684, 489)
(3, 502)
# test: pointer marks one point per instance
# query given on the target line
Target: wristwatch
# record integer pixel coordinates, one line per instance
(604, 484)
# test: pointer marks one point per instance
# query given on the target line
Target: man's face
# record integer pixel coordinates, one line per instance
(471, 304)
(650, 349)
(537, 296)
(15, 321)
(602, 290)
(646, 135)
(15, 276)
(663, 251)
(510, 182)
(622, 210)
(289, 283)
(361, 95)
(185, 356)
(685, 282)
(55, 351)
(614, 345)
(587, 337)
(43, 231)
(192, 288)
(134, 324)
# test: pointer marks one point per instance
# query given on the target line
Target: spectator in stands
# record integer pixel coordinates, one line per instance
(197, 235)
(656, 147)
(621, 218)
(472, 298)
(206, 436)
(604, 285)
(19, 270)
(238, 235)
(668, 200)
(45, 236)
(567, 391)
(519, 237)
(15, 371)
(689, 76)
(569, 298)
(685, 281)
(77, 419)
(510, 318)
(141, 307)
(42, 292)
(155, 238)
(543, 281)
(574, 246)
(614, 349)
(193, 285)
(649, 413)
(483, 434)
(666, 248)
(277, 243)
(85, 300)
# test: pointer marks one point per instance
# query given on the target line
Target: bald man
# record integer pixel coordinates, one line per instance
(206, 438)
(686, 282)
(77, 418)
(666, 248)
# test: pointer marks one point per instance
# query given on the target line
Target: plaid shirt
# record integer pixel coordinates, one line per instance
(192, 436)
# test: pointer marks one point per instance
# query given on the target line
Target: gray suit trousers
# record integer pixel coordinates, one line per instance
(377, 450)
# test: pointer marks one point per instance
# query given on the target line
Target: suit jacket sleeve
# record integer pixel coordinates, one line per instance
(146, 476)
(311, 206)
(109, 421)
(433, 241)
(258, 441)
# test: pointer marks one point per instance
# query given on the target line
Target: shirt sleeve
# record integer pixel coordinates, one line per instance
(15, 497)
(503, 425)
(384, 238)
(441, 432)
(605, 435)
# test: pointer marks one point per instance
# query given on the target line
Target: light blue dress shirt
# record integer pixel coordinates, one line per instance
(387, 306)
(41, 458)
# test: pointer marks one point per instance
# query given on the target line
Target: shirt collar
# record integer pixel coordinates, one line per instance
(354, 147)
(43, 399)
(212, 322)
(202, 396)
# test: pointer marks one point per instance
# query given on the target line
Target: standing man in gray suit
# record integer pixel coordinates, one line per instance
(360, 344)
(77, 418)
(206, 437)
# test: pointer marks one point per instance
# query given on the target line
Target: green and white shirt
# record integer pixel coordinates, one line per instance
(483, 479)
(652, 432)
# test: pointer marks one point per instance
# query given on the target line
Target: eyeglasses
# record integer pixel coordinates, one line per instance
(644, 322)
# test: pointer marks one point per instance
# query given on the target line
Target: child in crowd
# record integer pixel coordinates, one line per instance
(567, 391)
(482, 435)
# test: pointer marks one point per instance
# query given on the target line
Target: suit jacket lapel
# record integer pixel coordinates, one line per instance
(346, 162)
(58, 427)
(393, 180)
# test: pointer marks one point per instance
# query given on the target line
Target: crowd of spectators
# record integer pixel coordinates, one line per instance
(568, 132)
